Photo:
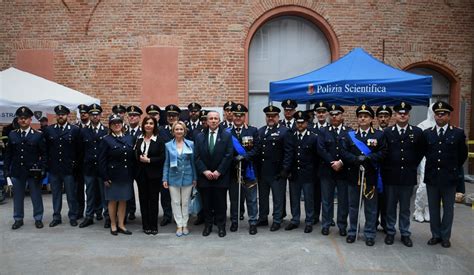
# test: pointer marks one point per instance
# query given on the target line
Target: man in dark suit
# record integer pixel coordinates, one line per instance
(399, 172)
(332, 171)
(303, 172)
(62, 142)
(248, 138)
(213, 156)
(193, 123)
(25, 163)
(273, 163)
(445, 152)
(90, 140)
(133, 128)
(366, 147)
(228, 115)
(78, 174)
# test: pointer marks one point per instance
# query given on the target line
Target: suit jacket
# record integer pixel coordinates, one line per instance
(220, 159)
(90, 147)
(63, 148)
(184, 173)
(156, 153)
(351, 152)
(404, 153)
(444, 155)
(22, 154)
(165, 133)
(117, 158)
(330, 149)
(305, 158)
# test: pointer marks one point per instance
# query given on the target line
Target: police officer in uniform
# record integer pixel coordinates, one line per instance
(228, 115)
(445, 153)
(289, 109)
(78, 173)
(119, 110)
(193, 123)
(303, 172)
(25, 162)
(383, 114)
(404, 153)
(321, 109)
(247, 136)
(332, 171)
(62, 142)
(172, 115)
(154, 111)
(274, 154)
(372, 141)
(91, 138)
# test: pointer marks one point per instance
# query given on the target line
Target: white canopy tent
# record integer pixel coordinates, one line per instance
(19, 88)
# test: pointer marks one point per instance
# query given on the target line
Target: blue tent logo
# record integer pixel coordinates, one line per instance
(310, 89)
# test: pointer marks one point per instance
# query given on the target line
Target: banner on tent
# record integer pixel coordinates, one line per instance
(8, 114)
(347, 88)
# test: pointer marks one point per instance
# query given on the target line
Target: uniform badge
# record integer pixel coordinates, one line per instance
(38, 114)
(333, 107)
(372, 142)
(271, 108)
(403, 104)
(363, 107)
(440, 105)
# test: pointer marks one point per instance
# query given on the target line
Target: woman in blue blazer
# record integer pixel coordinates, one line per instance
(179, 175)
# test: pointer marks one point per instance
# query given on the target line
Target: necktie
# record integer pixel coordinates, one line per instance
(402, 132)
(193, 126)
(211, 142)
(133, 132)
(23, 134)
(364, 134)
(237, 131)
(288, 124)
(96, 130)
(268, 130)
(300, 136)
(441, 132)
(62, 128)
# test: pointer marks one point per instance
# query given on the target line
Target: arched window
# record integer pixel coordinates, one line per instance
(283, 47)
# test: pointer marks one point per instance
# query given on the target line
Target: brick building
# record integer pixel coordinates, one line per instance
(139, 51)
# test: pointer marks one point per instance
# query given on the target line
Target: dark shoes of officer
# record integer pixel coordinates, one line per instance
(131, 216)
(199, 220)
(350, 238)
(325, 231)
(221, 233)
(407, 241)
(54, 223)
(39, 224)
(253, 229)
(165, 221)
(262, 223)
(291, 226)
(86, 223)
(434, 241)
(73, 222)
(369, 242)
(17, 224)
(389, 239)
(275, 227)
(107, 223)
(342, 232)
(445, 243)
(207, 230)
(233, 227)
(308, 228)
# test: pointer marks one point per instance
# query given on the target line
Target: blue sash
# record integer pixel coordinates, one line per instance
(247, 166)
(366, 151)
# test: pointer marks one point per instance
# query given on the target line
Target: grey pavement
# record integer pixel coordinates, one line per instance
(93, 250)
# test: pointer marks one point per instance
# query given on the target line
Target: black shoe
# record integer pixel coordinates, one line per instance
(434, 241)
(389, 239)
(73, 222)
(165, 221)
(342, 232)
(221, 232)
(86, 223)
(113, 232)
(99, 217)
(233, 227)
(253, 229)
(291, 226)
(207, 230)
(147, 231)
(124, 231)
(333, 223)
(369, 242)
(275, 227)
(407, 241)
(241, 217)
(308, 228)
(154, 231)
(199, 220)
(131, 216)
(325, 231)
(17, 224)
(107, 223)
(262, 223)
(39, 224)
(351, 239)
(54, 223)
(445, 243)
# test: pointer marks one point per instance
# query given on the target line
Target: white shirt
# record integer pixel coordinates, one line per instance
(146, 145)
(290, 121)
(27, 131)
(445, 127)
(402, 128)
(215, 135)
(302, 134)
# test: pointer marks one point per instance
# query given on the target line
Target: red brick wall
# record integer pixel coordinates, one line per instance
(98, 45)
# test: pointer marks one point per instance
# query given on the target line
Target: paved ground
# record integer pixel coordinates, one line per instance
(92, 250)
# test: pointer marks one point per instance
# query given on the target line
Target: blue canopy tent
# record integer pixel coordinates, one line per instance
(354, 79)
